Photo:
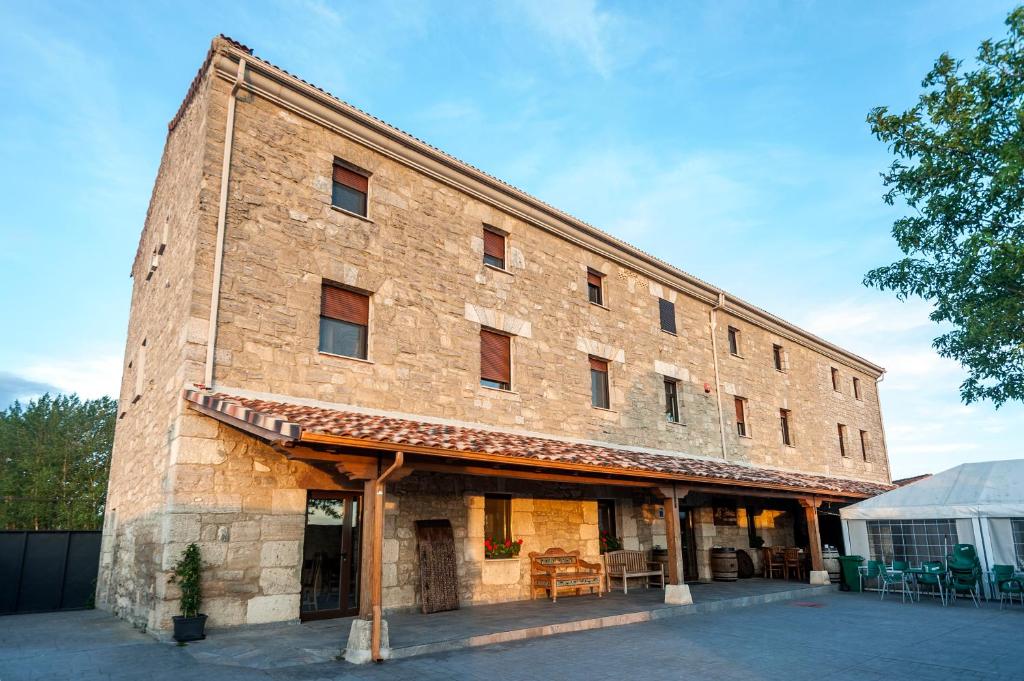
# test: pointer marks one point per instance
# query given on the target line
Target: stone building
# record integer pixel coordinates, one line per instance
(338, 330)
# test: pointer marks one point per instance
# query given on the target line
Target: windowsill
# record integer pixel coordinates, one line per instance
(351, 214)
(790, 446)
(610, 411)
(501, 560)
(506, 391)
(677, 424)
(745, 437)
(600, 305)
(671, 333)
(354, 359)
(499, 269)
(782, 371)
(737, 356)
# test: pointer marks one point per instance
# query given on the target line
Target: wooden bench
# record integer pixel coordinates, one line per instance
(559, 569)
(625, 564)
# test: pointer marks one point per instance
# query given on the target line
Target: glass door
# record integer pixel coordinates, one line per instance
(686, 545)
(330, 555)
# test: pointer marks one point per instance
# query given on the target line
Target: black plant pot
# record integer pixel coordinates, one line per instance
(189, 628)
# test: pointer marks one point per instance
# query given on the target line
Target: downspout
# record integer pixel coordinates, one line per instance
(378, 555)
(881, 424)
(718, 383)
(222, 216)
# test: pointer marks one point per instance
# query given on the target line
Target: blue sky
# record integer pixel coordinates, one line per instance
(727, 137)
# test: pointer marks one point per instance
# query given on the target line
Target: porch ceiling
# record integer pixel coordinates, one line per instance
(291, 424)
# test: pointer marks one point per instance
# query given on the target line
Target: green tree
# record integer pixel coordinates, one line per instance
(54, 461)
(958, 168)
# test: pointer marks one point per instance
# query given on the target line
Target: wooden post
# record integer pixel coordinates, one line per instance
(813, 532)
(673, 533)
(368, 533)
(376, 567)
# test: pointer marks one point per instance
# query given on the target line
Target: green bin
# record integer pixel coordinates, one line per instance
(851, 577)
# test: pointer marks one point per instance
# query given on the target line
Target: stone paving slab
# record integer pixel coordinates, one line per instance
(846, 637)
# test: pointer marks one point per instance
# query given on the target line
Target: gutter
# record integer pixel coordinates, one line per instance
(718, 384)
(881, 428)
(222, 216)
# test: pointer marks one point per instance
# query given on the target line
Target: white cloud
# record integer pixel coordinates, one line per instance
(90, 377)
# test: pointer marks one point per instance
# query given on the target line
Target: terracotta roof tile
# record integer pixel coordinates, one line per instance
(291, 420)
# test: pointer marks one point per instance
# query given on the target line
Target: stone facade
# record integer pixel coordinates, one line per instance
(178, 476)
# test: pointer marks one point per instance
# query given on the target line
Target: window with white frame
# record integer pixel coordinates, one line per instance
(914, 541)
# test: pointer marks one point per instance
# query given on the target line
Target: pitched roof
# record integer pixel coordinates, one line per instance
(297, 422)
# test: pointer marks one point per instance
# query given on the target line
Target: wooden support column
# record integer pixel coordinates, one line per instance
(366, 549)
(673, 532)
(813, 532)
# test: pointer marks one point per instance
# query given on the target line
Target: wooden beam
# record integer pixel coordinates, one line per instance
(813, 532)
(357, 443)
(487, 471)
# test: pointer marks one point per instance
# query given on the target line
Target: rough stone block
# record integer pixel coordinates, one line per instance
(279, 553)
(288, 501)
(359, 640)
(678, 594)
(283, 580)
(263, 609)
(819, 577)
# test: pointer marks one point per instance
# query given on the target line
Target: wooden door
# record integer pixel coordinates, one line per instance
(330, 555)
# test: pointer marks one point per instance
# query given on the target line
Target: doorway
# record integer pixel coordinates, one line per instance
(687, 545)
(331, 555)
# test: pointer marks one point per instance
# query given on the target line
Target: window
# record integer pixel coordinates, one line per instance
(856, 387)
(842, 440)
(915, 541)
(779, 358)
(734, 341)
(344, 316)
(498, 517)
(741, 417)
(864, 444)
(667, 310)
(599, 383)
(787, 437)
(595, 287)
(495, 360)
(606, 522)
(349, 190)
(494, 249)
(1018, 540)
(835, 379)
(671, 400)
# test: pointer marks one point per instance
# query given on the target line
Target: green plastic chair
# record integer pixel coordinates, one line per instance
(965, 581)
(933, 575)
(900, 565)
(887, 579)
(873, 570)
(1007, 584)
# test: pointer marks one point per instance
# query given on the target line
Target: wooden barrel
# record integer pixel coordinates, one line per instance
(830, 559)
(723, 564)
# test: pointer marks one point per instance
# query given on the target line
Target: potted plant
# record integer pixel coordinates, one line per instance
(190, 625)
(610, 543)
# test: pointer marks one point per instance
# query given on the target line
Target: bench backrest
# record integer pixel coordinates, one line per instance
(556, 559)
(630, 560)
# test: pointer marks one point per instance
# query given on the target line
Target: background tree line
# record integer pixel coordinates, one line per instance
(54, 461)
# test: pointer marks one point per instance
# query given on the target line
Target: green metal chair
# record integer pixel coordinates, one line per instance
(887, 579)
(900, 565)
(1007, 584)
(933, 575)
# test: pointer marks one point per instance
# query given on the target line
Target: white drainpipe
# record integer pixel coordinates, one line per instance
(222, 215)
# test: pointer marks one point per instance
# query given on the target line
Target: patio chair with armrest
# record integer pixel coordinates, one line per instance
(871, 571)
(886, 579)
(965, 582)
(933, 574)
(1007, 584)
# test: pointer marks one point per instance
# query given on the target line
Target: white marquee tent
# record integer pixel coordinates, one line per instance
(973, 503)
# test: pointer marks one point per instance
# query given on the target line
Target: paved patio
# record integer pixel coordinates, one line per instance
(831, 637)
(415, 634)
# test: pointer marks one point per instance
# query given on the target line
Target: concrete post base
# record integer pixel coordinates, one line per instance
(820, 577)
(358, 649)
(678, 594)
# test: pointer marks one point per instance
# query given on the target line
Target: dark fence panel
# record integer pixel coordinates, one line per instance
(47, 570)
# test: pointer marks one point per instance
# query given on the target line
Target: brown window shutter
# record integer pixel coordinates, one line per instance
(739, 410)
(593, 279)
(598, 364)
(344, 305)
(495, 357)
(494, 244)
(343, 175)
